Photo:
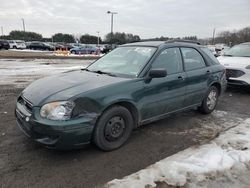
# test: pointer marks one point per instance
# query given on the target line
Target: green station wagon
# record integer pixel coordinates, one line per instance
(133, 85)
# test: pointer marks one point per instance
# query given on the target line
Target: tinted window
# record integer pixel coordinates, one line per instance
(170, 59)
(192, 59)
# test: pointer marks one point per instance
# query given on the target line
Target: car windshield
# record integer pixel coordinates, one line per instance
(242, 50)
(124, 61)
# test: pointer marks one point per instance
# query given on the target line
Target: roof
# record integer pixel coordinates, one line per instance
(146, 43)
(159, 43)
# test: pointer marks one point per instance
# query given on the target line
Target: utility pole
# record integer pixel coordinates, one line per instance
(112, 23)
(23, 24)
(2, 30)
(213, 36)
(98, 40)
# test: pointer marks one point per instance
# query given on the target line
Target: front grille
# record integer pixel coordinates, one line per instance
(27, 104)
(232, 73)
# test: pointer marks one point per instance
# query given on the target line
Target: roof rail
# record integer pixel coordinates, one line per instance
(186, 41)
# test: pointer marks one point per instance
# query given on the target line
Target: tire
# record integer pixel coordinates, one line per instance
(247, 89)
(14, 47)
(210, 101)
(113, 128)
(73, 52)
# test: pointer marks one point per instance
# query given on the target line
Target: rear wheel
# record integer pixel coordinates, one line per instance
(210, 101)
(73, 52)
(113, 128)
(247, 89)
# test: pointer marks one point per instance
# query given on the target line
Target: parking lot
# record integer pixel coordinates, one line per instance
(24, 163)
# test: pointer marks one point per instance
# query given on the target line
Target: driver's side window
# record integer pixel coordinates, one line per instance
(169, 59)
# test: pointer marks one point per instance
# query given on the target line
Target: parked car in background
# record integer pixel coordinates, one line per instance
(84, 50)
(107, 48)
(76, 44)
(17, 44)
(55, 45)
(212, 49)
(66, 46)
(220, 47)
(237, 63)
(134, 84)
(40, 46)
(4, 44)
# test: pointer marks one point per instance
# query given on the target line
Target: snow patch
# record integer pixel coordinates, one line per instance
(230, 150)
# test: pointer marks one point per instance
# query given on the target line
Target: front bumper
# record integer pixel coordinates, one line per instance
(239, 77)
(237, 82)
(55, 134)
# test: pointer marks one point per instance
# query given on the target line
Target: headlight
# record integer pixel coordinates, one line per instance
(248, 67)
(57, 110)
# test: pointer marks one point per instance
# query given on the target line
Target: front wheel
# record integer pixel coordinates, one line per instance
(113, 128)
(210, 101)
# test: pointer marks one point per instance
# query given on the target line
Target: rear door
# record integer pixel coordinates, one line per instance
(164, 95)
(197, 75)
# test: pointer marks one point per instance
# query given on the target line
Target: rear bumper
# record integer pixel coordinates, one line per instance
(71, 136)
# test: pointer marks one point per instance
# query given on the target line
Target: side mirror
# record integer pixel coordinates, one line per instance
(157, 73)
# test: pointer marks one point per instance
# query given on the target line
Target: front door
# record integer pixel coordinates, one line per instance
(164, 95)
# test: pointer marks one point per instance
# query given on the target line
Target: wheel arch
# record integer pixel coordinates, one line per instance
(128, 105)
(218, 86)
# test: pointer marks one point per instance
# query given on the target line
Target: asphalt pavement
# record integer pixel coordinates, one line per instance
(24, 163)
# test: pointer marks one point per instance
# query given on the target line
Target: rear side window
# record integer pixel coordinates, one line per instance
(210, 55)
(192, 59)
(169, 59)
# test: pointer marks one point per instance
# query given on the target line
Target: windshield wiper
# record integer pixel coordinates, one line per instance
(227, 55)
(100, 72)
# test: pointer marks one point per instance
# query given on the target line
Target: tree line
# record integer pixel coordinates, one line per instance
(233, 37)
(228, 37)
(114, 38)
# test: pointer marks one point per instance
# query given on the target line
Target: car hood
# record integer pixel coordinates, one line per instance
(66, 85)
(234, 62)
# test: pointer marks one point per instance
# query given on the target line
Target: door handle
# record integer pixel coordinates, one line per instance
(181, 78)
(208, 71)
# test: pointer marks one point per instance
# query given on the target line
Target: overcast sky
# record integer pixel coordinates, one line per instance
(146, 18)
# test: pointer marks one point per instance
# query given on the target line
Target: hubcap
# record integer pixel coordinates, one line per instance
(212, 99)
(114, 128)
